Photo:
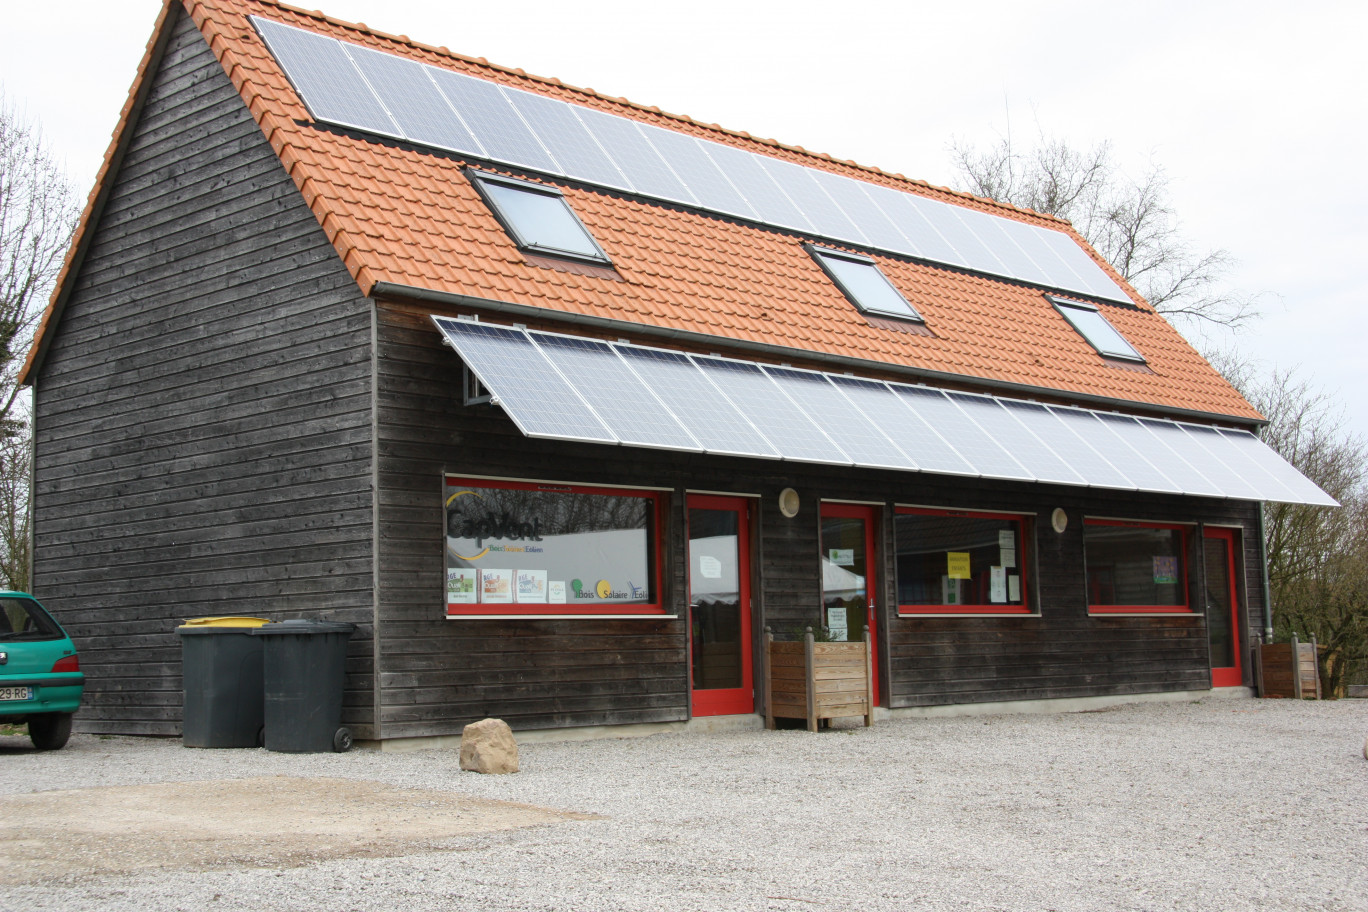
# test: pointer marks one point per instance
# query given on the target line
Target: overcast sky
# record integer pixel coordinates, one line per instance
(1256, 110)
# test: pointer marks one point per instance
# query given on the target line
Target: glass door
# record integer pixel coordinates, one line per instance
(1222, 608)
(719, 606)
(849, 577)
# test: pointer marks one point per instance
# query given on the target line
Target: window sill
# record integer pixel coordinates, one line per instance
(919, 611)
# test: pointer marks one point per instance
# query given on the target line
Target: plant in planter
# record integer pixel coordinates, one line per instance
(814, 680)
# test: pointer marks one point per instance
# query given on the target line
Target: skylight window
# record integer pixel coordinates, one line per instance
(861, 281)
(538, 218)
(1092, 326)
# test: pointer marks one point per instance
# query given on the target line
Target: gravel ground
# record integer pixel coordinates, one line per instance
(1220, 805)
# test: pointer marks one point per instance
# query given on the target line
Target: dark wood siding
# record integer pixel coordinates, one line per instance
(438, 675)
(203, 415)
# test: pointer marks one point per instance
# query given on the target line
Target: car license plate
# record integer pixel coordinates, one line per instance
(16, 693)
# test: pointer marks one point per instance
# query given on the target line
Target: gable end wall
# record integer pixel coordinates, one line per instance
(203, 416)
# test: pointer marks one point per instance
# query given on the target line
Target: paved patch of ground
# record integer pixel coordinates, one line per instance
(267, 821)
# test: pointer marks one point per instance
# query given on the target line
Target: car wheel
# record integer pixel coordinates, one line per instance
(50, 731)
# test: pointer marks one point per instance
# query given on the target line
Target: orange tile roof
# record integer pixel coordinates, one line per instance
(400, 216)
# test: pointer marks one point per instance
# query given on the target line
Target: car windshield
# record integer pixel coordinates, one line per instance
(24, 619)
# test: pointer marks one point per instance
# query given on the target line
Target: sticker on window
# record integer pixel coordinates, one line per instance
(1165, 569)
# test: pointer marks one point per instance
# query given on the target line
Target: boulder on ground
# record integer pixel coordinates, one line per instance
(487, 746)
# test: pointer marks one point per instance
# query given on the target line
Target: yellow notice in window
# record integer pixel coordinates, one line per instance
(958, 565)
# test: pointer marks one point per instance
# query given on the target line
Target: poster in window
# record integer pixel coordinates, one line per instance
(958, 565)
(1165, 569)
(1013, 588)
(496, 586)
(532, 586)
(555, 592)
(997, 584)
(461, 585)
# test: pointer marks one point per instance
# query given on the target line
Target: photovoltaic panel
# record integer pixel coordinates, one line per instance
(1033, 454)
(1305, 490)
(1187, 465)
(1231, 475)
(494, 120)
(984, 453)
(755, 184)
(860, 438)
(1116, 451)
(799, 185)
(909, 214)
(635, 157)
(622, 402)
(1146, 453)
(577, 151)
(858, 205)
(913, 435)
(549, 135)
(1090, 276)
(994, 231)
(705, 413)
(961, 234)
(517, 375)
(1096, 471)
(1265, 485)
(774, 414)
(413, 101)
(692, 164)
(325, 78)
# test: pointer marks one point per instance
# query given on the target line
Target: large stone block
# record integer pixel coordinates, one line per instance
(487, 746)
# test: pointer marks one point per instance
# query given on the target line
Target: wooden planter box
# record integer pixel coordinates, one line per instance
(814, 681)
(1289, 670)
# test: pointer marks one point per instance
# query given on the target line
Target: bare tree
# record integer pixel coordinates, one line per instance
(1130, 222)
(16, 460)
(37, 214)
(1317, 556)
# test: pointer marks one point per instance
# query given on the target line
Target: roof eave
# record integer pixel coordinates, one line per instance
(687, 337)
(99, 195)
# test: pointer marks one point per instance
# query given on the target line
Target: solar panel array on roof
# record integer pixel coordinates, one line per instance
(493, 121)
(567, 387)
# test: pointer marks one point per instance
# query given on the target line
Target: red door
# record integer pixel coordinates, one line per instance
(1222, 608)
(721, 672)
(850, 574)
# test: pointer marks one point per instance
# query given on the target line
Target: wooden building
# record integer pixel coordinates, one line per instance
(563, 400)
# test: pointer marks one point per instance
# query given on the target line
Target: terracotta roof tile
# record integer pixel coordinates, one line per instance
(410, 217)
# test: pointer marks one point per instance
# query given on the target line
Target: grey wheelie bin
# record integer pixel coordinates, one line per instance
(304, 669)
(221, 670)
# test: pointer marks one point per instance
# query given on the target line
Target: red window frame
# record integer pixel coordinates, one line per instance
(1184, 560)
(1023, 525)
(659, 504)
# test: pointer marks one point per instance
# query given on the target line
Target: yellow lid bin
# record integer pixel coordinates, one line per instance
(226, 622)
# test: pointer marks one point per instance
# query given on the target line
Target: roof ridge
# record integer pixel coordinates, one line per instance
(444, 51)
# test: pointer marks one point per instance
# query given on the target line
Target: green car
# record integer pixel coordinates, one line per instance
(40, 676)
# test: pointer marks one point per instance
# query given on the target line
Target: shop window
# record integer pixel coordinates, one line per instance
(958, 562)
(1135, 567)
(861, 281)
(538, 218)
(520, 549)
(1089, 322)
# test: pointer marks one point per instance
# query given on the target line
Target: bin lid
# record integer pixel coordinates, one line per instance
(304, 627)
(221, 625)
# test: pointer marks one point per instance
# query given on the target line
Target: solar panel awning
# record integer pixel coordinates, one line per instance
(571, 388)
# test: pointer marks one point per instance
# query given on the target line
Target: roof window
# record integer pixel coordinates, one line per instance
(1092, 326)
(861, 281)
(538, 218)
